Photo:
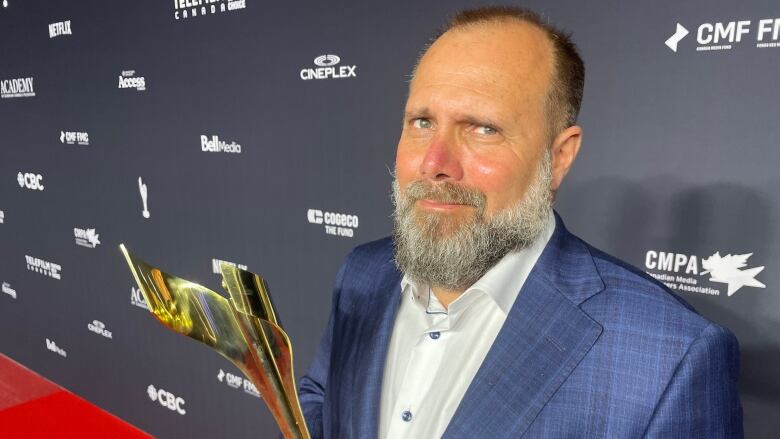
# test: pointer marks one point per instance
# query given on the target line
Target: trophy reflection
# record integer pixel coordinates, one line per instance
(243, 328)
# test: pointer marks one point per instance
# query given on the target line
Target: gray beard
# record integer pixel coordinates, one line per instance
(433, 249)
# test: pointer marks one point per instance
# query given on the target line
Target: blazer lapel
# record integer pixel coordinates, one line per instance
(543, 339)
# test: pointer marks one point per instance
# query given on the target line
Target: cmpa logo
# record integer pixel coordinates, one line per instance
(59, 28)
(166, 399)
(216, 145)
(215, 263)
(99, 327)
(729, 270)
(86, 237)
(337, 224)
(128, 80)
(236, 381)
(193, 8)
(326, 69)
(45, 268)
(17, 88)
(30, 180)
(137, 299)
(725, 35)
(50, 345)
(74, 137)
(8, 290)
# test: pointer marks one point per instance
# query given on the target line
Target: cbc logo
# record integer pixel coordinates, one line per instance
(166, 399)
(332, 219)
(30, 180)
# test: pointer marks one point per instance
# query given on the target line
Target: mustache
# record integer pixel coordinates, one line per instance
(444, 193)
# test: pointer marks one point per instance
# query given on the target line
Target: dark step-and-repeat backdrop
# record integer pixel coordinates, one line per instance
(199, 131)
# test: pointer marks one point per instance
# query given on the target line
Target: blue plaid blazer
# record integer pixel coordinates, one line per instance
(592, 348)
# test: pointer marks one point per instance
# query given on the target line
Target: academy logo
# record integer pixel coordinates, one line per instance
(137, 299)
(86, 237)
(50, 345)
(99, 328)
(214, 144)
(30, 180)
(194, 8)
(726, 35)
(128, 80)
(144, 195)
(683, 272)
(74, 138)
(45, 268)
(337, 224)
(17, 88)
(166, 399)
(8, 290)
(59, 28)
(215, 263)
(326, 69)
(237, 382)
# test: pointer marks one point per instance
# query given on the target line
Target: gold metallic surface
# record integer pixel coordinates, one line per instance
(244, 329)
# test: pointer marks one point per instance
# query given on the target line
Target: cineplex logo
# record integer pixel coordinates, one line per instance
(215, 263)
(17, 88)
(74, 138)
(193, 8)
(725, 35)
(59, 28)
(166, 399)
(137, 299)
(30, 181)
(326, 69)
(8, 290)
(682, 272)
(45, 268)
(216, 145)
(337, 224)
(128, 80)
(50, 345)
(99, 328)
(86, 237)
(236, 382)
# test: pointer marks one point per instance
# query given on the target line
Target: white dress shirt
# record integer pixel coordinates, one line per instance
(435, 352)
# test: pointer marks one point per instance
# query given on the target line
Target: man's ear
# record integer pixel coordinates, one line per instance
(564, 150)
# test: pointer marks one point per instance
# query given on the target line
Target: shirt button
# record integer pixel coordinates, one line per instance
(434, 335)
(406, 415)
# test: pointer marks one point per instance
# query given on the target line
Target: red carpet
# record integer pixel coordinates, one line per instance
(32, 406)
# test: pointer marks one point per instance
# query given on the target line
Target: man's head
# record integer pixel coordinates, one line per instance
(488, 136)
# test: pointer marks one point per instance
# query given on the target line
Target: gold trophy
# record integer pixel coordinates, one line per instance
(243, 329)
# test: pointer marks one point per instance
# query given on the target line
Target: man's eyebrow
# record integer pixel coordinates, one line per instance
(479, 121)
(417, 113)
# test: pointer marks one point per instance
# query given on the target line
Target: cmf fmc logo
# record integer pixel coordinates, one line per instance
(326, 69)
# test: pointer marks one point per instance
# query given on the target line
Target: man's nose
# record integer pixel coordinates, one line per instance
(441, 161)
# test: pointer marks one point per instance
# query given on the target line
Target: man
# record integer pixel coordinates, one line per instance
(483, 317)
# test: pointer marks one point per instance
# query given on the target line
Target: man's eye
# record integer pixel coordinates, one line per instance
(486, 131)
(422, 123)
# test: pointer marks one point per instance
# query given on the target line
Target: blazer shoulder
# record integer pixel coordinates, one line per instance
(369, 263)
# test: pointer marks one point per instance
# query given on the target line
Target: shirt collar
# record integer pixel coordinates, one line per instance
(505, 279)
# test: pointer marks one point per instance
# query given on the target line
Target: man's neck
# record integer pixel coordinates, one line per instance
(446, 296)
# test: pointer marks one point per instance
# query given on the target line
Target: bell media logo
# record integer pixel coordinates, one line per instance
(726, 35)
(326, 69)
(59, 28)
(30, 180)
(128, 80)
(166, 399)
(17, 88)
(682, 272)
(74, 138)
(86, 237)
(214, 144)
(194, 8)
(52, 346)
(45, 268)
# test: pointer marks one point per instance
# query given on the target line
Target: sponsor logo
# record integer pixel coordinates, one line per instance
(238, 382)
(74, 137)
(128, 80)
(216, 262)
(726, 35)
(327, 69)
(166, 399)
(8, 290)
(216, 145)
(59, 28)
(99, 327)
(45, 268)
(30, 180)
(50, 345)
(337, 224)
(683, 272)
(17, 88)
(2, 217)
(193, 8)
(86, 237)
(144, 193)
(137, 299)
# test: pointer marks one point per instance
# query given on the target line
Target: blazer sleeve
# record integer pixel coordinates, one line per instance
(313, 385)
(701, 399)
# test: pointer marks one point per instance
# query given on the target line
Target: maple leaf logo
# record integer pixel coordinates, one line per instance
(92, 237)
(728, 270)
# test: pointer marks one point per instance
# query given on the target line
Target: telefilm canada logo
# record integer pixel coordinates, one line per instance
(237, 382)
(166, 399)
(99, 328)
(59, 28)
(128, 80)
(8, 290)
(184, 9)
(726, 35)
(336, 224)
(52, 346)
(215, 144)
(705, 275)
(17, 88)
(74, 138)
(43, 267)
(328, 68)
(88, 238)
(137, 299)
(215, 263)
(30, 180)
